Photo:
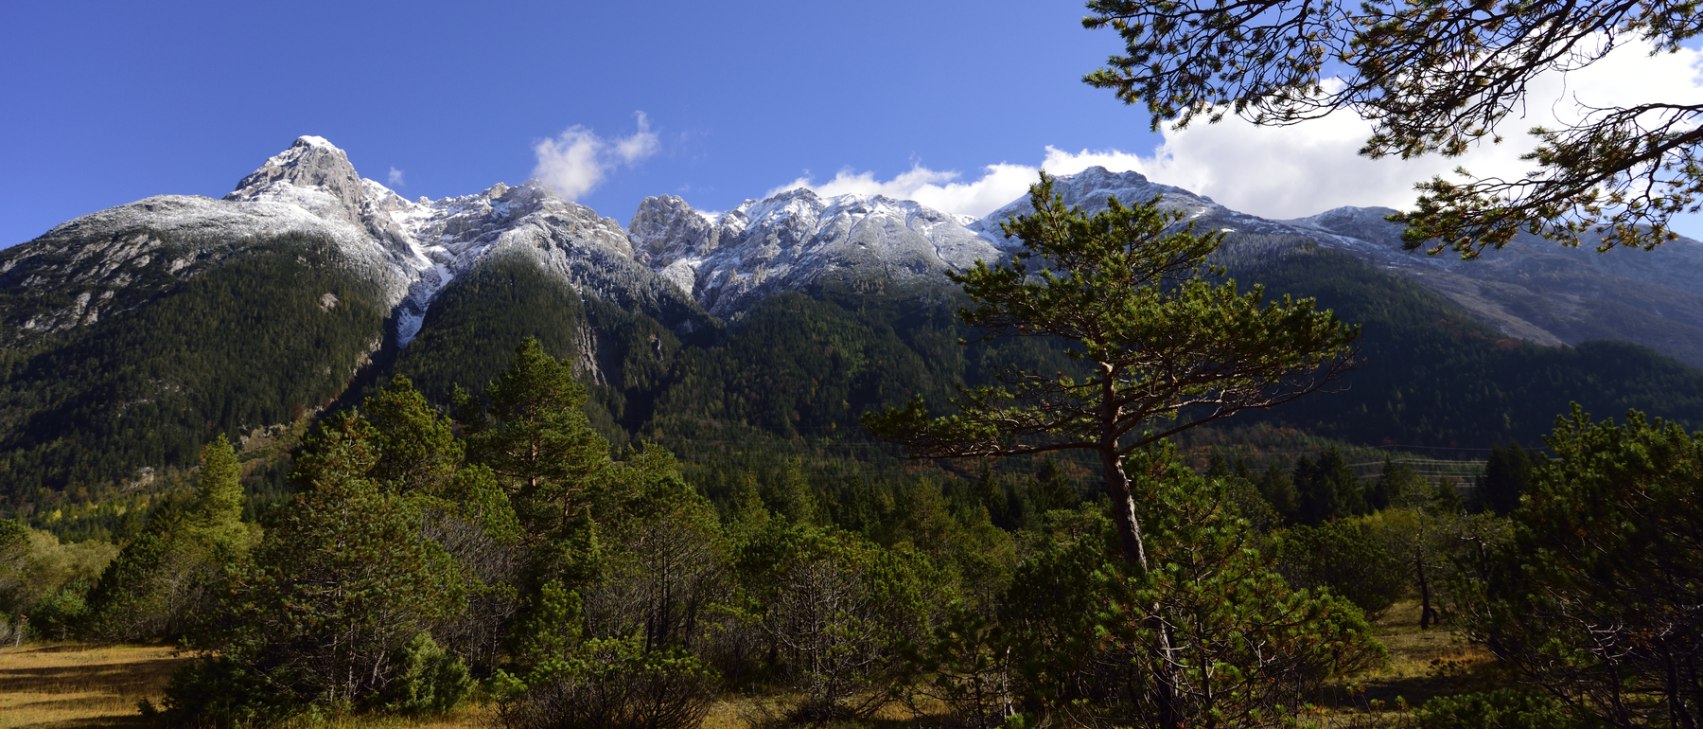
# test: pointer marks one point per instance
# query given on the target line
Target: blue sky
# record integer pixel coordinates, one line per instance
(952, 102)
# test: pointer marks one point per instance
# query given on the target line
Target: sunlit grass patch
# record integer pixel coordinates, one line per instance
(64, 685)
(1423, 664)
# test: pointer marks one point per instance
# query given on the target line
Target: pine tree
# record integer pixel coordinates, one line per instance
(166, 581)
(1507, 475)
(418, 450)
(539, 441)
(1164, 346)
(341, 588)
(1596, 599)
(1436, 76)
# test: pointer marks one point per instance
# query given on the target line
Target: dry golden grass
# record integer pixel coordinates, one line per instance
(753, 712)
(1423, 664)
(467, 717)
(73, 686)
(80, 686)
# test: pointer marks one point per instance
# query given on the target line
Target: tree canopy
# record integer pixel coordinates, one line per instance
(1164, 343)
(1434, 76)
(1596, 599)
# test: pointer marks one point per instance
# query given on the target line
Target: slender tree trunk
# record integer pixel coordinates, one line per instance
(1427, 613)
(1678, 716)
(1425, 610)
(1135, 554)
(1123, 510)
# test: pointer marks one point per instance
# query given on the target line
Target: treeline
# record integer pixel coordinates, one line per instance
(253, 342)
(501, 550)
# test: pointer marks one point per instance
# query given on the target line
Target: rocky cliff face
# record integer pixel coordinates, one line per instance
(728, 261)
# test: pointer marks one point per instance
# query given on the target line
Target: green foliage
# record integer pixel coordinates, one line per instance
(58, 615)
(1349, 557)
(1595, 599)
(428, 681)
(842, 616)
(1163, 346)
(665, 561)
(614, 683)
(1507, 475)
(243, 344)
(1434, 77)
(218, 493)
(43, 582)
(221, 691)
(1499, 709)
(1277, 486)
(1245, 648)
(340, 586)
(553, 629)
(1326, 489)
(966, 668)
(539, 442)
(419, 452)
(167, 580)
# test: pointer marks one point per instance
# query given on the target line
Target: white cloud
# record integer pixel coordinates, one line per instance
(642, 144)
(1286, 172)
(573, 163)
(395, 178)
(941, 190)
(1300, 170)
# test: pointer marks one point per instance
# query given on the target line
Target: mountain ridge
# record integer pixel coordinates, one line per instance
(182, 316)
(671, 256)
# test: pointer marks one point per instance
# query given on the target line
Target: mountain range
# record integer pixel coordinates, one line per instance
(134, 333)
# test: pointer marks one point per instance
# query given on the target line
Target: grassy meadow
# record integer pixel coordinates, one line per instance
(70, 686)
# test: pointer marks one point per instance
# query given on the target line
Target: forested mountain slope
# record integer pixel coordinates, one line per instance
(135, 334)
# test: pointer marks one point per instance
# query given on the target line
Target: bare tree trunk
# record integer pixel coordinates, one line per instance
(1678, 716)
(1135, 554)
(1427, 613)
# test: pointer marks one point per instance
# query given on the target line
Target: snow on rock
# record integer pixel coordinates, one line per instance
(671, 257)
(727, 261)
(411, 249)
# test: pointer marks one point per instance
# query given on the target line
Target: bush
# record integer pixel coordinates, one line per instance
(1091, 639)
(431, 681)
(844, 616)
(611, 683)
(1349, 557)
(1499, 709)
(58, 615)
(1595, 599)
(219, 692)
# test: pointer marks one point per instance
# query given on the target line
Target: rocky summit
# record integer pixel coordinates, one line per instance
(676, 259)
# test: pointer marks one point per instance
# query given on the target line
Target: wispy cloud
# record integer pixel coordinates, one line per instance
(574, 162)
(395, 178)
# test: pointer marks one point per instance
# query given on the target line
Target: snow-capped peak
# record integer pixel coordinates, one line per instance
(312, 140)
(793, 237)
(313, 174)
